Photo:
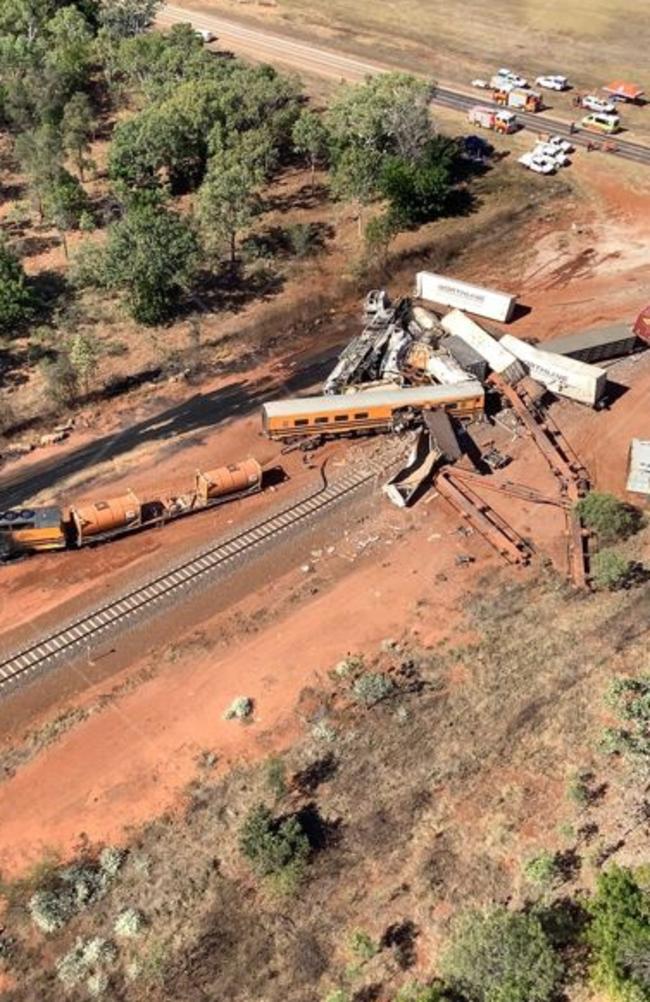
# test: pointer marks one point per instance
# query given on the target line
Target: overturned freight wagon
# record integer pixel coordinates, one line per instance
(559, 374)
(489, 303)
(597, 344)
(367, 410)
(497, 357)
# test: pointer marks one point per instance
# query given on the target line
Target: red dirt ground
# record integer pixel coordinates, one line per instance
(129, 762)
(121, 767)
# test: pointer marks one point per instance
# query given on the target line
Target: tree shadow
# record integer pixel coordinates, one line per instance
(201, 414)
(51, 289)
(369, 993)
(11, 192)
(304, 198)
(29, 246)
(400, 937)
(231, 288)
(298, 240)
(321, 834)
(308, 780)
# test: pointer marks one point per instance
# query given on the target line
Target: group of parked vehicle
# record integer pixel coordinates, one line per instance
(547, 156)
(512, 90)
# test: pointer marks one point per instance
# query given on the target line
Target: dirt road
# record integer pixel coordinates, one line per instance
(263, 45)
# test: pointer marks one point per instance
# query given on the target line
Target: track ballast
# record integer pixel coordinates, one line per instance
(124, 610)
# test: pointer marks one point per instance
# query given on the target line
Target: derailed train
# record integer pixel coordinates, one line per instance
(364, 411)
(32, 530)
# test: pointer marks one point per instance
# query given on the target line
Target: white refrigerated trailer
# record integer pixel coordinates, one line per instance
(475, 299)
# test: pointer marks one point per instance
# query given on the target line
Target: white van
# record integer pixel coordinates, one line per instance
(207, 36)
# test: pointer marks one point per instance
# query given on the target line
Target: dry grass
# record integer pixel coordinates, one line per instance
(590, 38)
(425, 803)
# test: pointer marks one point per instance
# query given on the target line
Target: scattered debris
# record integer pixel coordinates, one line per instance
(638, 481)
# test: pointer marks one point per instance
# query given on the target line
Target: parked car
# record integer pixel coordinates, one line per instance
(538, 163)
(560, 143)
(207, 36)
(552, 153)
(481, 84)
(599, 104)
(553, 82)
(608, 124)
(512, 78)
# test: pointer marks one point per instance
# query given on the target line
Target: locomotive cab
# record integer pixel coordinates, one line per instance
(29, 530)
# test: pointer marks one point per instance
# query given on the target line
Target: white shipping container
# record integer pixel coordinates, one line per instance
(496, 356)
(559, 374)
(638, 480)
(463, 296)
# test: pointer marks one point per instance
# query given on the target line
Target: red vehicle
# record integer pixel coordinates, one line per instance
(642, 325)
(489, 118)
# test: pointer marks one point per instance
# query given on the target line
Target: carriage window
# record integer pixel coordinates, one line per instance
(321, 420)
(341, 417)
(299, 422)
(361, 415)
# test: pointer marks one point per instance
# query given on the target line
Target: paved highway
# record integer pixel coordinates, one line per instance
(265, 46)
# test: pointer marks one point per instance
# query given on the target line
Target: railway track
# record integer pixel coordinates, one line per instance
(539, 123)
(147, 598)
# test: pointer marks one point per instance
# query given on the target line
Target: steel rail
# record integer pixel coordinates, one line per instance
(125, 608)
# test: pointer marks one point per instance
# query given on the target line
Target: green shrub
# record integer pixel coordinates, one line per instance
(372, 687)
(610, 570)
(303, 239)
(276, 776)
(542, 870)
(17, 301)
(338, 995)
(619, 936)
(73, 888)
(240, 708)
(129, 923)
(607, 516)
(501, 956)
(363, 946)
(51, 910)
(85, 962)
(579, 789)
(61, 380)
(274, 846)
(630, 700)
